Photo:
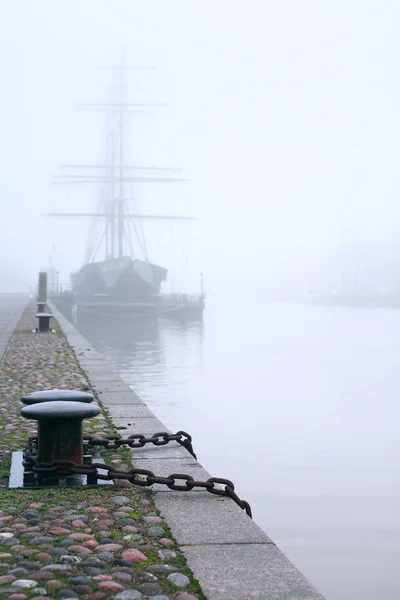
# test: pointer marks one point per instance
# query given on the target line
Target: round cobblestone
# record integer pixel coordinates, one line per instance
(166, 554)
(129, 595)
(24, 583)
(156, 531)
(150, 589)
(178, 579)
(62, 539)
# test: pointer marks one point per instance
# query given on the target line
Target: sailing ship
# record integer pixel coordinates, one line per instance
(120, 282)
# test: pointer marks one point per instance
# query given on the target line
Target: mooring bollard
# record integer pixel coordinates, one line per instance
(44, 321)
(60, 429)
(57, 395)
(42, 292)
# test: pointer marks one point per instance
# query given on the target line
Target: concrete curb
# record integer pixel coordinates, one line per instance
(230, 556)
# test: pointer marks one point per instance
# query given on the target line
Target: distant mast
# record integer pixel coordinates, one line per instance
(116, 174)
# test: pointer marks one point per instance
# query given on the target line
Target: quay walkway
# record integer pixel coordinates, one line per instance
(11, 308)
(118, 541)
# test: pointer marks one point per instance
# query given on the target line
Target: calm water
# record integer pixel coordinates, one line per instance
(300, 407)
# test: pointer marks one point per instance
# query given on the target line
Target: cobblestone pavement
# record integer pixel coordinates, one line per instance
(107, 542)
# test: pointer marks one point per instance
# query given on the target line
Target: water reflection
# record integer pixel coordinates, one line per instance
(299, 406)
(147, 352)
(125, 335)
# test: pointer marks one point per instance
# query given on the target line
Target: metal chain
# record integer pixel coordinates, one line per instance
(131, 475)
(138, 440)
(113, 442)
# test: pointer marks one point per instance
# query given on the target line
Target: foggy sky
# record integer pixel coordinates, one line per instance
(285, 115)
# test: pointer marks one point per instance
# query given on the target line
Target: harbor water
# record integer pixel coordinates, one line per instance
(300, 407)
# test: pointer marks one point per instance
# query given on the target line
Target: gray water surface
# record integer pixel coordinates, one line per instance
(300, 407)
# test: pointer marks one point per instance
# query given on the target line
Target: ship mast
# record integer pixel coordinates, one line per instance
(116, 174)
(121, 201)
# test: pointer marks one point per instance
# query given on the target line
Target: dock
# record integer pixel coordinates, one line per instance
(178, 545)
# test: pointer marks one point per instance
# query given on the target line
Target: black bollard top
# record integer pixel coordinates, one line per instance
(60, 411)
(60, 395)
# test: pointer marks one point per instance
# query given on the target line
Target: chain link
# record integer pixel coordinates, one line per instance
(185, 483)
(138, 440)
(148, 478)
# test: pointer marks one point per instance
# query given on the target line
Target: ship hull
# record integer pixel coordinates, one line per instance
(119, 277)
(168, 306)
(127, 287)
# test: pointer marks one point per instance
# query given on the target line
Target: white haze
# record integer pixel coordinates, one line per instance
(285, 114)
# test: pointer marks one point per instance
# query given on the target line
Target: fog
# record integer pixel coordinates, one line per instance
(285, 116)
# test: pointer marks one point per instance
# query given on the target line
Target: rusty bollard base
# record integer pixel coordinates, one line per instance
(60, 438)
